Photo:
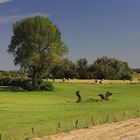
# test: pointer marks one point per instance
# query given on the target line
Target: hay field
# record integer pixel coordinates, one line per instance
(96, 81)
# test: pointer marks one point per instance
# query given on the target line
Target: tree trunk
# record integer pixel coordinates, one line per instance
(35, 85)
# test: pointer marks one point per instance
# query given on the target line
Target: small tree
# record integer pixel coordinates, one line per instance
(36, 45)
(65, 69)
(82, 68)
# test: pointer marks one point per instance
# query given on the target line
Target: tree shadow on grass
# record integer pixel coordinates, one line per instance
(11, 89)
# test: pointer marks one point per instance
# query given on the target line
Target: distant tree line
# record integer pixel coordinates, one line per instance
(137, 70)
(13, 74)
(102, 68)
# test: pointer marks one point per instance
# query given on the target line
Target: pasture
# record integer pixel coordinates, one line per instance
(30, 114)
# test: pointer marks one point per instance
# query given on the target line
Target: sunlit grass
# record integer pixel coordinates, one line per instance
(52, 112)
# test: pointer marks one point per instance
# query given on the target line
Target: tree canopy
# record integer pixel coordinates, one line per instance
(111, 68)
(82, 68)
(65, 69)
(36, 45)
(102, 68)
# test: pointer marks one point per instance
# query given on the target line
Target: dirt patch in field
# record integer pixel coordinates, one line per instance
(124, 130)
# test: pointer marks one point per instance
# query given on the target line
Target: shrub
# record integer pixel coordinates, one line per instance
(5, 81)
(16, 82)
(26, 84)
(46, 85)
(90, 100)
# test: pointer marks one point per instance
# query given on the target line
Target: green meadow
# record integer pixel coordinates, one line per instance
(30, 114)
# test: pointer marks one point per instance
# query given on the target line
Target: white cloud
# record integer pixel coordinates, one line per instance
(4, 1)
(13, 18)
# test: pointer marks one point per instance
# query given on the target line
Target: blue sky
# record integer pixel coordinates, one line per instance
(90, 28)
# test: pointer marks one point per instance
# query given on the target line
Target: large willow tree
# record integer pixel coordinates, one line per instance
(36, 45)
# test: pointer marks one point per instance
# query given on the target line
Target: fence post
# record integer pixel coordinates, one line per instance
(92, 121)
(59, 126)
(76, 124)
(107, 118)
(33, 130)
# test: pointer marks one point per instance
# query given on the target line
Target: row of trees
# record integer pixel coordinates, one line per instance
(102, 68)
(137, 70)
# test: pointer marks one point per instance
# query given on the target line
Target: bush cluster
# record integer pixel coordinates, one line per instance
(25, 83)
(14, 74)
(46, 86)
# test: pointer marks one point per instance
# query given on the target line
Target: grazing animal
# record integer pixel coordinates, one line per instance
(96, 81)
(77, 93)
(64, 79)
(105, 96)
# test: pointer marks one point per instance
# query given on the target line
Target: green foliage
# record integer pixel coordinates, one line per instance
(46, 86)
(102, 68)
(82, 68)
(5, 81)
(14, 74)
(111, 68)
(36, 45)
(26, 84)
(15, 82)
(66, 69)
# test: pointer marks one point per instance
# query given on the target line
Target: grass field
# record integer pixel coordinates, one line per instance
(28, 114)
